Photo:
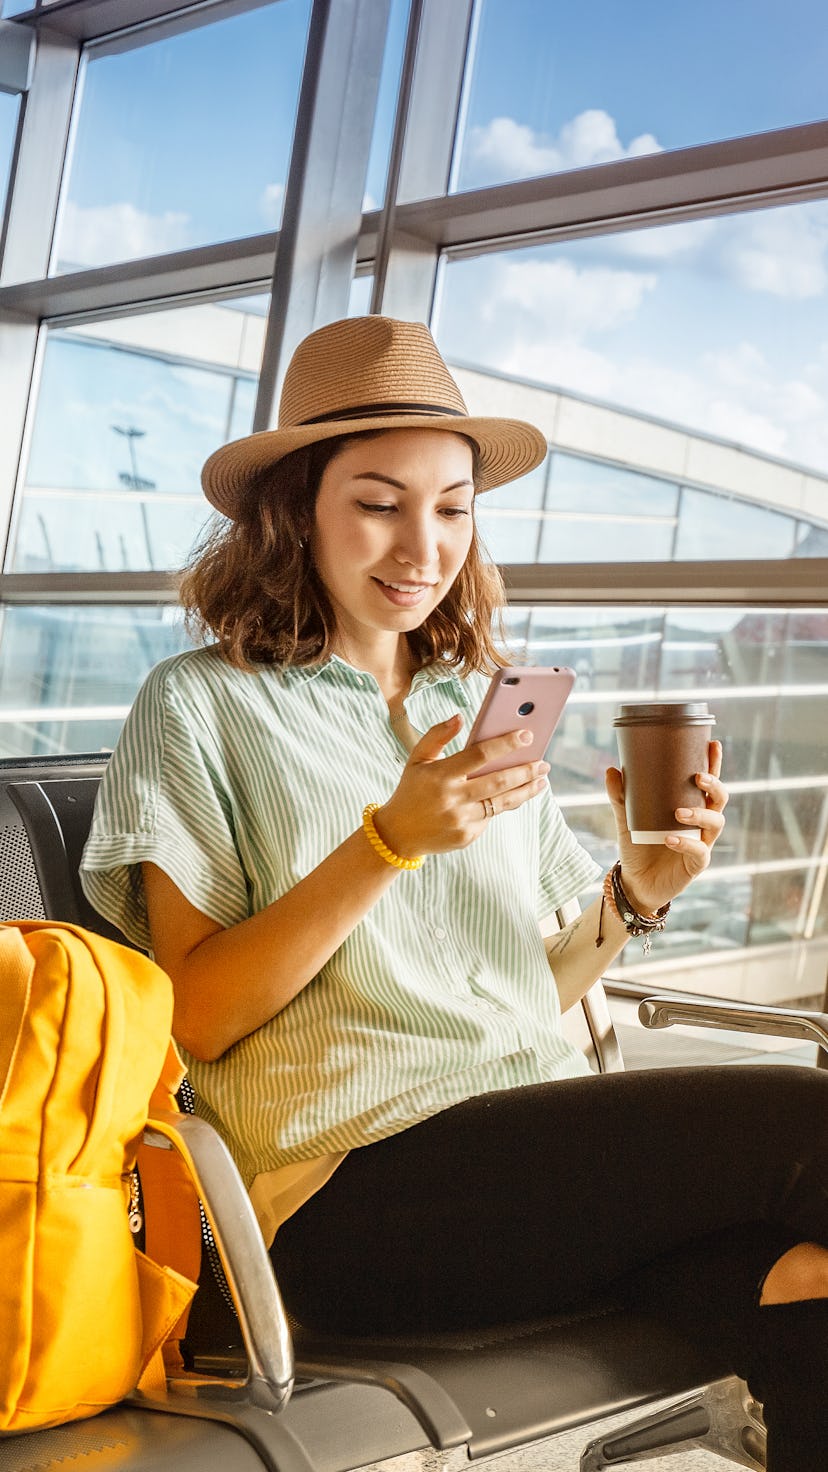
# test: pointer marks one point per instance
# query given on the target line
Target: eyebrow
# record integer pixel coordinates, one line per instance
(399, 485)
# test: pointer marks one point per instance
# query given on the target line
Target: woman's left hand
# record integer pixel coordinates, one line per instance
(653, 874)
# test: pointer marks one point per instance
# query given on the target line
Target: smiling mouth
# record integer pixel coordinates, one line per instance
(404, 595)
(405, 587)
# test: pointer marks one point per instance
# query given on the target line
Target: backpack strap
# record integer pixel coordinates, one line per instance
(173, 1220)
(17, 964)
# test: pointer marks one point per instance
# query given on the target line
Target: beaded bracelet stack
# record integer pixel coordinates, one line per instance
(381, 848)
(635, 923)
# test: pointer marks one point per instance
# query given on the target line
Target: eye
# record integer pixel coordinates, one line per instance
(451, 512)
(381, 507)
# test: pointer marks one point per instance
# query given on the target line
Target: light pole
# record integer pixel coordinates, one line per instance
(137, 482)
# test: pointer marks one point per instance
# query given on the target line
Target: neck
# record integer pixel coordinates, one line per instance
(388, 661)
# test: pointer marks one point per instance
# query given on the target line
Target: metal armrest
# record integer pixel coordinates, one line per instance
(245, 1260)
(783, 1022)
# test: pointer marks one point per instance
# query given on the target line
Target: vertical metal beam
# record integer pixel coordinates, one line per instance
(36, 184)
(18, 348)
(34, 191)
(385, 234)
(425, 166)
(316, 252)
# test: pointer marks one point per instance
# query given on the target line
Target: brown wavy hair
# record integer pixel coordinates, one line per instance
(251, 584)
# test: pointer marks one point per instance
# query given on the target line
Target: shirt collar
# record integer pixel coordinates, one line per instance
(337, 668)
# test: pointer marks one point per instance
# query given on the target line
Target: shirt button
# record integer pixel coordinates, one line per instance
(439, 933)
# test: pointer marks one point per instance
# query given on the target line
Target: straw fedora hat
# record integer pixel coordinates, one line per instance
(363, 374)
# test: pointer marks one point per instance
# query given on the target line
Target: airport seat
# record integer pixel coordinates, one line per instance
(261, 1391)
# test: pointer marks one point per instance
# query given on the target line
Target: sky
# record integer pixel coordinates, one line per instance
(717, 325)
(187, 140)
(720, 325)
(676, 72)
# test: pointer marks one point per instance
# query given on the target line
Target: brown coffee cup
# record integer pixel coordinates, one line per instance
(661, 747)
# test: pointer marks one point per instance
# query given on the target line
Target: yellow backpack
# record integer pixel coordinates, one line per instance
(84, 1042)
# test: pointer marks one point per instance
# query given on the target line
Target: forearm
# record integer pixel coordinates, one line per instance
(576, 961)
(233, 980)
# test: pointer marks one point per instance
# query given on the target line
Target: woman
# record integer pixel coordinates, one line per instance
(349, 915)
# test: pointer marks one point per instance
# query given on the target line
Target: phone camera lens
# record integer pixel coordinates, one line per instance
(527, 708)
(511, 680)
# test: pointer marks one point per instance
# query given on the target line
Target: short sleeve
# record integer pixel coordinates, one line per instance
(163, 800)
(565, 868)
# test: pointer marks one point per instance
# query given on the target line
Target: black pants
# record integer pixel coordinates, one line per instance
(680, 1188)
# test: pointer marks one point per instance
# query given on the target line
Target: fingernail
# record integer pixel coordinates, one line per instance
(672, 840)
(525, 737)
(684, 812)
(544, 768)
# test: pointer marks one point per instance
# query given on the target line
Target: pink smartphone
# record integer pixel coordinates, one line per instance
(530, 698)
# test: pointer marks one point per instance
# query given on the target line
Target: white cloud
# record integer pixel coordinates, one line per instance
(506, 149)
(783, 252)
(687, 239)
(748, 400)
(780, 252)
(270, 204)
(563, 301)
(93, 235)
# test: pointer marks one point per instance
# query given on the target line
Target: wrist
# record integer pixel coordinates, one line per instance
(383, 839)
(644, 904)
(644, 923)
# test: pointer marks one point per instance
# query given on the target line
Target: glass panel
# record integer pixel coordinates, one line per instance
(556, 86)
(16, 7)
(600, 513)
(689, 355)
(69, 675)
(359, 301)
(127, 413)
(811, 541)
(9, 114)
(765, 674)
(747, 531)
(185, 139)
(386, 106)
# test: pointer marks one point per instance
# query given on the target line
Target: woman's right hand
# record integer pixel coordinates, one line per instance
(439, 803)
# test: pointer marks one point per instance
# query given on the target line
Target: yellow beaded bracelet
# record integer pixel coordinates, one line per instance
(382, 848)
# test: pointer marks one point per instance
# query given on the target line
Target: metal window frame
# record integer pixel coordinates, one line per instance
(799, 583)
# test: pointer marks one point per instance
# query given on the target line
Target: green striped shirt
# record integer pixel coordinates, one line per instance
(237, 784)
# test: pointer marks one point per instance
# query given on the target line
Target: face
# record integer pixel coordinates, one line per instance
(393, 525)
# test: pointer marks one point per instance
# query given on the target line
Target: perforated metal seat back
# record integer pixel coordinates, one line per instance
(41, 840)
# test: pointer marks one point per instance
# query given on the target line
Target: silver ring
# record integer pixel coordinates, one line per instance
(488, 807)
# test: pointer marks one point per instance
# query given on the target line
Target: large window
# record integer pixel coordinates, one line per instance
(556, 86)
(765, 677)
(183, 138)
(68, 675)
(127, 412)
(580, 508)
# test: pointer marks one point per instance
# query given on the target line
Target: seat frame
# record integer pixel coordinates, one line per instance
(303, 1401)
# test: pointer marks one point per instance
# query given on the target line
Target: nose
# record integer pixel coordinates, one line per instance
(417, 542)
